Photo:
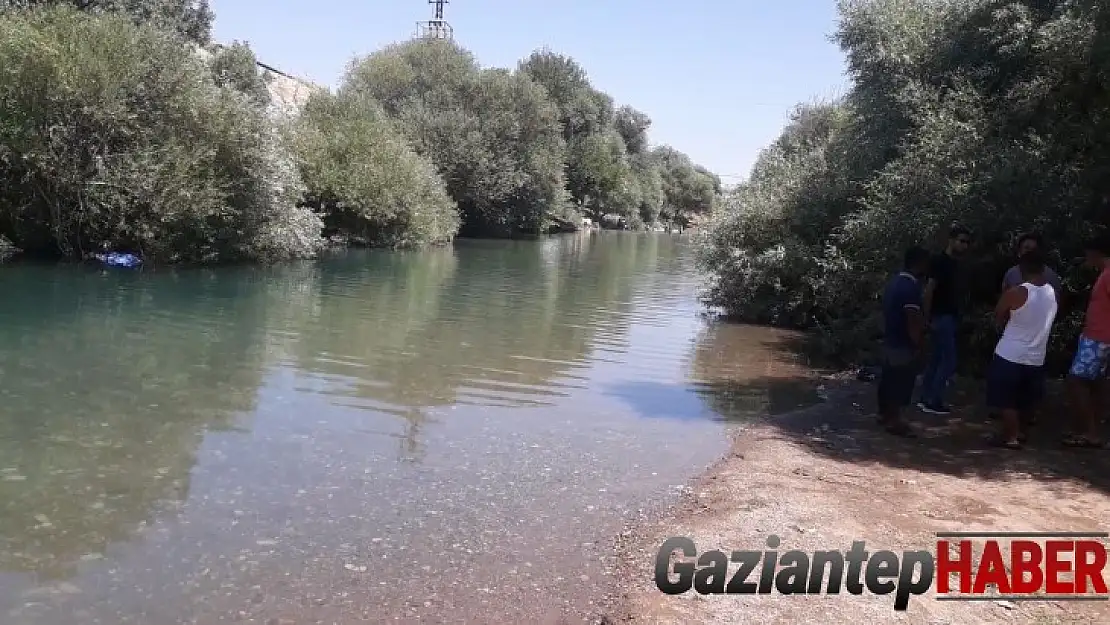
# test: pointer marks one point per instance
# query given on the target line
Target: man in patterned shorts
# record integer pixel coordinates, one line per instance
(1088, 368)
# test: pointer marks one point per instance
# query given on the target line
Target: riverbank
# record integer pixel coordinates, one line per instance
(824, 476)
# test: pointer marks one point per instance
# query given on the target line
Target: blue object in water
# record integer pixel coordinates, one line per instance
(115, 259)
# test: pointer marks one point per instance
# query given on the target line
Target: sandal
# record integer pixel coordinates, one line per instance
(1002, 443)
(1083, 442)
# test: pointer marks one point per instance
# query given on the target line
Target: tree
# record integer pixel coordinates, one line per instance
(492, 134)
(191, 19)
(365, 180)
(980, 112)
(133, 146)
(633, 127)
(236, 66)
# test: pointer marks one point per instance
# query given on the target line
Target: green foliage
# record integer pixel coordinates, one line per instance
(236, 66)
(191, 19)
(111, 137)
(985, 112)
(689, 191)
(365, 179)
(611, 170)
(492, 134)
(114, 133)
(633, 128)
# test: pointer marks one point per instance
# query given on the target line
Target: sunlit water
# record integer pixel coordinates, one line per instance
(451, 435)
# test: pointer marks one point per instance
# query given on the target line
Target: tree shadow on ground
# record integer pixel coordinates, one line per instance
(844, 428)
(777, 382)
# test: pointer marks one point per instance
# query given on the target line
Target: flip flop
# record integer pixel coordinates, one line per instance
(1005, 444)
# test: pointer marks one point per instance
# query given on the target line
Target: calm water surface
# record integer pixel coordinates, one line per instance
(451, 436)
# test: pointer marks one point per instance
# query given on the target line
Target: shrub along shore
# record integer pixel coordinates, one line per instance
(118, 132)
(992, 113)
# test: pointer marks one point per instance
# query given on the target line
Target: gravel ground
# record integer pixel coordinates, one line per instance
(823, 477)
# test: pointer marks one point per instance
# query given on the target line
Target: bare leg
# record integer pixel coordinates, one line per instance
(1098, 402)
(1080, 392)
(1011, 426)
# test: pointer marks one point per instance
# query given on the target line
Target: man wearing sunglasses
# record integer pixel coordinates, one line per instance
(943, 293)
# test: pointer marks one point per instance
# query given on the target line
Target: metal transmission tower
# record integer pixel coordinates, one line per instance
(437, 28)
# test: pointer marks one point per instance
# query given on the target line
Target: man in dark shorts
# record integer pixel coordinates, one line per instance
(943, 293)
(1027, 243)
(1015, 379)
(904, 331)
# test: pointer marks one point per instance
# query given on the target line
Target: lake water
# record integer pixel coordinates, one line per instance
(445, 436)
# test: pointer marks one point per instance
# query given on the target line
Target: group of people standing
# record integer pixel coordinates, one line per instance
(922, 305)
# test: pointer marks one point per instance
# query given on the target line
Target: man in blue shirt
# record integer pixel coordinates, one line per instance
(903, 333)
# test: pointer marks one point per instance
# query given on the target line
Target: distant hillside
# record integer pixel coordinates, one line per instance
(289, 93)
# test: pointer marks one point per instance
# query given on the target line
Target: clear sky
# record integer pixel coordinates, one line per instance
(717, 77)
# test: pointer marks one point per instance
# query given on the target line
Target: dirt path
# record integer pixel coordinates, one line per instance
(823, 477)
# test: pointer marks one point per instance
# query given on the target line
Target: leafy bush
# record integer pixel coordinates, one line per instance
(111, 137)
(115, 134)
(236, 66)
(366, 180)
(191, 19)
(983, 112)
(492, 134)
(611, 169)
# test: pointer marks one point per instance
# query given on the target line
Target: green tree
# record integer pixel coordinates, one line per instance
(649, 183)
(633, 127)
(365, 180)
(236, 66)
(689, 191)
(190, 18)
(134, 146)
(982, 112)
(492, 134)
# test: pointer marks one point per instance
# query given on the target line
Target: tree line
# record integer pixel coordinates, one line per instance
(113, 137)
(990, 113)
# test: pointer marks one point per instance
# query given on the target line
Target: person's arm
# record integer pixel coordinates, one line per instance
(927, 300)
(1007, 282)
(915, 323)
(1010, 300)
(935, 268)
(915, 318)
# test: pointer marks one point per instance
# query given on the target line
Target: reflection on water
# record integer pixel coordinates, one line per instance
(744, 371)
(196, 445)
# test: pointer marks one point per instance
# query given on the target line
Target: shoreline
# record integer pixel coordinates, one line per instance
(823, 476)
(13, 256)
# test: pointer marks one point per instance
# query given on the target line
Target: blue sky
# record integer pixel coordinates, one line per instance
(717, 77)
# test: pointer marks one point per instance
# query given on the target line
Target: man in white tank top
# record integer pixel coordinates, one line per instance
(1015, 380)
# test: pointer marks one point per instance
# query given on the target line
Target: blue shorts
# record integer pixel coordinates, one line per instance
(1091, 358)
(1014, 386)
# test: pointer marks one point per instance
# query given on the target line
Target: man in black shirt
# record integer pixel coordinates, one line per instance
(942, 310)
